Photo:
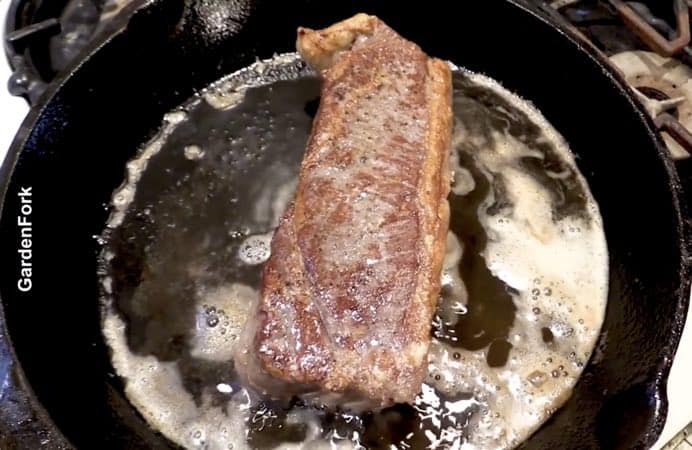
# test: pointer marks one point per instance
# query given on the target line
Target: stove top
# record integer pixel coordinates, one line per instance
(44, 37)
(647, 41)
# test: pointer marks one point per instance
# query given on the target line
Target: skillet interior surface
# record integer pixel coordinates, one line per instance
(72, 153)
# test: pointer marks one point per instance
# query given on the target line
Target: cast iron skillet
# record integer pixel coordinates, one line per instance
(56, 383)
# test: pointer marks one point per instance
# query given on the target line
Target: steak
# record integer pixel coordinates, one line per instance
(348, 294)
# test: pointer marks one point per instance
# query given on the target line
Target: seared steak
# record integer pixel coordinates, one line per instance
(349, 291)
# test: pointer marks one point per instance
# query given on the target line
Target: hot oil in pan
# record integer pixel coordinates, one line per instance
(191, 227)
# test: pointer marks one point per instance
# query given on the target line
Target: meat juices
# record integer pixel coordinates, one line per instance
(349, 291)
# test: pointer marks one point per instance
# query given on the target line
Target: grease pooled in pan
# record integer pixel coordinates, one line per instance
(524, 280)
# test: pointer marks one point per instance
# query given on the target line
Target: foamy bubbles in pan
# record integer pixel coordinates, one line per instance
(524, 283)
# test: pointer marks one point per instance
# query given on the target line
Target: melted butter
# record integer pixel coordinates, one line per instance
(551, 264)
(523, 286)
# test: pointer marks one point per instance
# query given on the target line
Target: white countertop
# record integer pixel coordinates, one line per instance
(13, 110)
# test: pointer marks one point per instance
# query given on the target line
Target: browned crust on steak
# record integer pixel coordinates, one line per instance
(349, 291)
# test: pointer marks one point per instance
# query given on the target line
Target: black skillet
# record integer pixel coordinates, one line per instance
(57, 387)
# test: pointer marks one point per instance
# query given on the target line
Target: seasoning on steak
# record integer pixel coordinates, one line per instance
(349, 291)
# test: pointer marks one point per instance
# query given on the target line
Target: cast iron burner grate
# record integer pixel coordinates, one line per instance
(43, 37)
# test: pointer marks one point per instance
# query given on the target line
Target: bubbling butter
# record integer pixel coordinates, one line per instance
(524, 282)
